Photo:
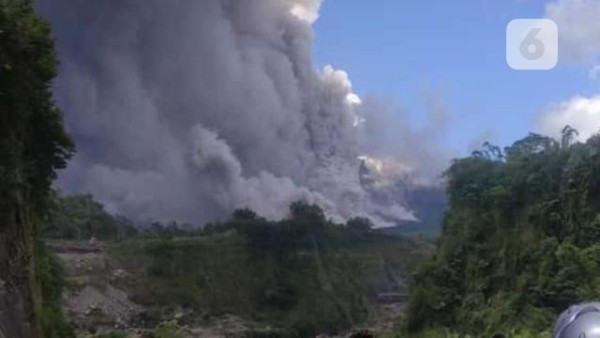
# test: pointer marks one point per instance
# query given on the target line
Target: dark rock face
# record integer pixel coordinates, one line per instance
(15, 297)
(13, 321)
(362, 334)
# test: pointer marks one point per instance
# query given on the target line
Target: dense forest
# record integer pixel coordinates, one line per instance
(520, 239)
(33, 146)
(80, 217)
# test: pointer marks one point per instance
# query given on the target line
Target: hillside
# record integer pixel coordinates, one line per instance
(520, 239)
(248, 276)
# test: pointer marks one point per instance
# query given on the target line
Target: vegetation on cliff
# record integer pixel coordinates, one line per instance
(520, 240)
(33, 146)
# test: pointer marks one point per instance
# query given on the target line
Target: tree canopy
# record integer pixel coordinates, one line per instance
(80, 217)
(520, 241)
(33, 146)
(33, 143)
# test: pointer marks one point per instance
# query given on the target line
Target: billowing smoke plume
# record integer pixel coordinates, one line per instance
(188, 109)
(401, 151)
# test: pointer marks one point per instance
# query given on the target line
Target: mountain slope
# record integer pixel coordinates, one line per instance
(294, 278)
(520, 239)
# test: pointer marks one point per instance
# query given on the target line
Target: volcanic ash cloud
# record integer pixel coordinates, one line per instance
(189, 109)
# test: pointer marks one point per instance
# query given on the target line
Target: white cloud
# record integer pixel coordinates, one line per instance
(581, 113)
(579, 32)
(579, 29)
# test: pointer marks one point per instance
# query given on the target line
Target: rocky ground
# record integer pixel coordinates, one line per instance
(94, 302)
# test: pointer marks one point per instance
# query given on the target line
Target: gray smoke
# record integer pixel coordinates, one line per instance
(188, 109)
(406, 152)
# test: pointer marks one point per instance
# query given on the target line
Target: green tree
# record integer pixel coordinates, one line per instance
(568, 135)
(304, 212)
(519, 241)
(360, 224)
(33, 146)
(79, 217)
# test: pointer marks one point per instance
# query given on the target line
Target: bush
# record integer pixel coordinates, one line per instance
(50, 274)
(167, 330)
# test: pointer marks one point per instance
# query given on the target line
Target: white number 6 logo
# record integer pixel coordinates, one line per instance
(532, 44)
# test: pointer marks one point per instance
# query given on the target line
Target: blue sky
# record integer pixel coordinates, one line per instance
(402, 51)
